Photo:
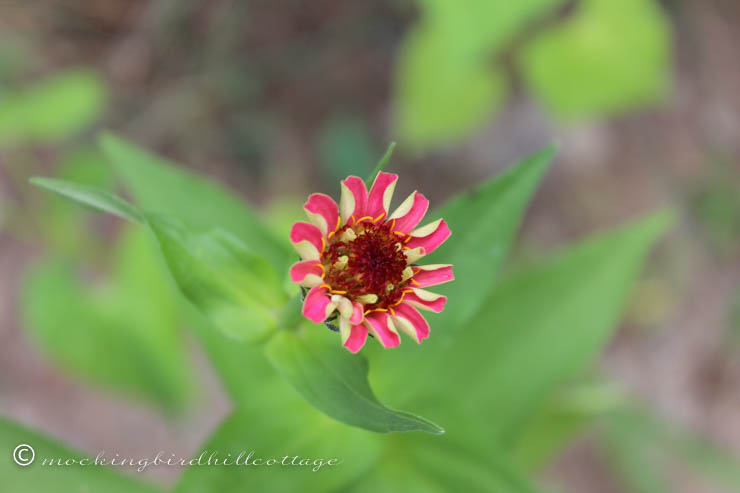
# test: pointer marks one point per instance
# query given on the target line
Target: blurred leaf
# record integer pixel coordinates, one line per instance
(418, 463)
(609, 57)
(447, 83)
(335, 382)
(53, 109)
(63, 224)
(61, 479)
(559, 420)
(239, 291)
(441, 93)
(547, 323)
(159, 186)
(635, 435)
(91, 197)
(538, 328)
(483, 224)
(122, 333)
(638, 467)
(283, 425)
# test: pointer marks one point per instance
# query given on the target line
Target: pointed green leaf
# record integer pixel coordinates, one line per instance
(60, 479)
(545, 324)
(237, 290)
(91, 197)
(335, 382)
(161, 187)
(538, 328)
(483, 224)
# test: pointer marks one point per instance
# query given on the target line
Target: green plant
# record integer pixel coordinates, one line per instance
(496, 358)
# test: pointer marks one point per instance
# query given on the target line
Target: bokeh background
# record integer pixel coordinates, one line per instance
(278, 99)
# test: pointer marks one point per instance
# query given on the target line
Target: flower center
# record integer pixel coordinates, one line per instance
(365, 262)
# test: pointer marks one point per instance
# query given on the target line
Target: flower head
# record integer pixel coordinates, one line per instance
(360, 262)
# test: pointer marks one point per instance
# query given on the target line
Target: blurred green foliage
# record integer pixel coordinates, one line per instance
(608, 58)
(52, 109)
(602, 58)
(64, 479)
(123, 331)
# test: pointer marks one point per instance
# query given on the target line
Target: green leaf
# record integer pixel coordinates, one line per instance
(123, 333)
(639, 468)
(547, 323)
(539, 328)
(335, 382)
(53, 109)
(447, 83)
(559, 420)
(483, 224)
(60, 479)
(237, 290)
(91, 197)
(283, 425)
(636, 435)
(609, 57)
(161, 187)
(442, 94)
(419, 463)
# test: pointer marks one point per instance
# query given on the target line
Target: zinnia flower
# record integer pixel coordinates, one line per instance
(360, 261)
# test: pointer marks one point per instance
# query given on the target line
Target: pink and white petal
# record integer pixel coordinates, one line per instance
(307, 273)
(381, 193)
(323, 212)
(430, 236)
(425, 300)
(318, 305)
(358, 313)
(353, 200)
(431, 275)
(307, 240)
(409, 213)
(408, 319)
(344, 306)
(353, 335)
(380, 325)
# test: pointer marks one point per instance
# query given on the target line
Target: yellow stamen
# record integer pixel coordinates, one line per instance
(336, 291)
(393, 312)
(379, 218)
(323, 244)
(363, 218)
(339, 221)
